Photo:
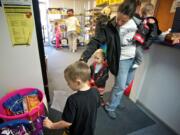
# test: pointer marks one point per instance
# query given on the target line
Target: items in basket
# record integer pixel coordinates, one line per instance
(16, 127)
(19, 130)
(30, 102)
(14, 105)
(38, 124)
(19, 104)
(22, 127)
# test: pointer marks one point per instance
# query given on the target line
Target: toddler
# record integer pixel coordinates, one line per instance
(148, 30)
(99, 72)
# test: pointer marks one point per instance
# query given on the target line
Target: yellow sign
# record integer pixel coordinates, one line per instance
(110, 2)
(20, 23)
(115, 2)
(101, 2)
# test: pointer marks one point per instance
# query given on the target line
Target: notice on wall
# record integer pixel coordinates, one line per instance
(17, 2)
(20, 23)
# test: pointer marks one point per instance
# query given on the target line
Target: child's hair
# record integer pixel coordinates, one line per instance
(99, 51)
(56, 23)
(106, 11)
(148, 9)
(77, 70)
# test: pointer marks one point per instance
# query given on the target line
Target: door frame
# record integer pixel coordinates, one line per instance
(38, 28)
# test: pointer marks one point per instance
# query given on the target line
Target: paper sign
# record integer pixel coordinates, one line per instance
(20, 23)
(17, 2)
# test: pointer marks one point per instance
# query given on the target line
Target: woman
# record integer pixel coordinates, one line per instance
(117, 34)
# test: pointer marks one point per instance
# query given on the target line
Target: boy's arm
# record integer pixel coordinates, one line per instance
(56, 125)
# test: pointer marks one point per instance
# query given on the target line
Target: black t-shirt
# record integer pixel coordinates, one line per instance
(81, 111)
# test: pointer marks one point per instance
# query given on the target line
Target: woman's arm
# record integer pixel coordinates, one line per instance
(93, 45)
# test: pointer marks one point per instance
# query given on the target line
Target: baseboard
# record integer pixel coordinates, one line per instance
(153, 116)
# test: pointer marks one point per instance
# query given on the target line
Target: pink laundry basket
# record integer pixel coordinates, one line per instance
(32, 115)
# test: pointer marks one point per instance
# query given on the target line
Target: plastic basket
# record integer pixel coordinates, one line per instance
(32, 115)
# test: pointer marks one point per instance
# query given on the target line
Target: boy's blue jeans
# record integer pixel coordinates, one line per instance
(123, 79)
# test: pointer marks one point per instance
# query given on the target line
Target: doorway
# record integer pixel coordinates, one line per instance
(57, 59)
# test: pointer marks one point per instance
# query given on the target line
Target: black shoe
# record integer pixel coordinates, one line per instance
(111, 114)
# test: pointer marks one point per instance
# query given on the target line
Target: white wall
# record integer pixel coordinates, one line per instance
(20, 65)
(139, 77)
(157, 84)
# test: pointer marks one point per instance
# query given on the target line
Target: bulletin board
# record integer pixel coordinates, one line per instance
(17, 2)
(19, 19)
(20, 23)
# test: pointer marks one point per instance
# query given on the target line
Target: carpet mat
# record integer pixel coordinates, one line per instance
(129, 119)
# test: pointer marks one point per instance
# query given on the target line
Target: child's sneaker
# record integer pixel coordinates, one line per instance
(135, 66)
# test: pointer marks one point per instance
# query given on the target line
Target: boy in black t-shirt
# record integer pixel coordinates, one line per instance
(79, 115)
